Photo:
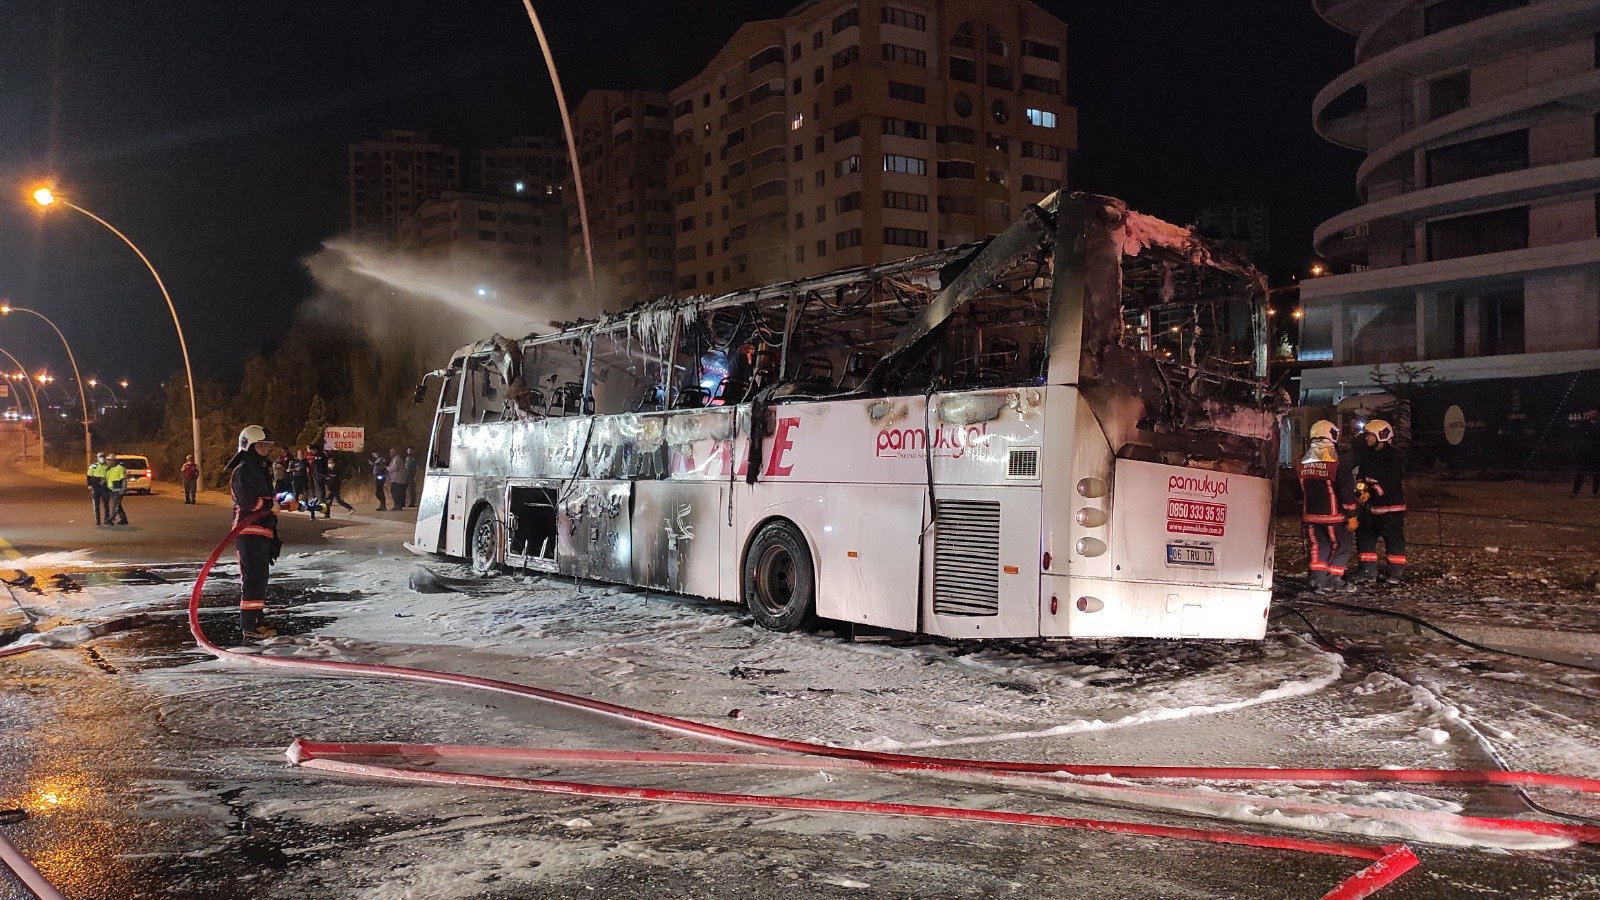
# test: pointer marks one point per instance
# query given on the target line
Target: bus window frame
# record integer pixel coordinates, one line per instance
(453, 376)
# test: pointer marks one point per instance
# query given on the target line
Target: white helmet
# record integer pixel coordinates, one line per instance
(1323, 430)
(1381, 430)
(252, 434)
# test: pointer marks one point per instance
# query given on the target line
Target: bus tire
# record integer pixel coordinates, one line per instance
(481, 539)
(779, 578)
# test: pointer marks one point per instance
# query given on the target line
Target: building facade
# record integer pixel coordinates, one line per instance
(1244, 227)
(856, 131)
(1474, 249)
(506, 243)
(624, 139)
(534, 166)
(390, 177)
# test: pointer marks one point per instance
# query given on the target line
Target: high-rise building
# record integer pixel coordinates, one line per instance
(523, 167)
(623, 140)
(856, 131)
(1474, 247)
(1242, 226)
(390, 177)
(488, 237)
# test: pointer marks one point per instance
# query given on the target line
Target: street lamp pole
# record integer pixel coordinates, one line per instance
(44, 196)
(7, 309)
(572, 145)
(38, 411)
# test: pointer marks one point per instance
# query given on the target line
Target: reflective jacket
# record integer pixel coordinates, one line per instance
(1327, 489)
(1383, 468)
(97, 475)
(116, 477)
(251, 485)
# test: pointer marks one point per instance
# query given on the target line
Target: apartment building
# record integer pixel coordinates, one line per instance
(391, 176)
(532, 166)
(1474, 248)
(624, 140)
(504, 243)
(855, 131)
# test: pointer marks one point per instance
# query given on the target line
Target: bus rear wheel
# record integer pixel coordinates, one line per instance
(481, 542)
(779, 579)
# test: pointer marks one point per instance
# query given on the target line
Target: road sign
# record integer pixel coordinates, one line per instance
(351, 438)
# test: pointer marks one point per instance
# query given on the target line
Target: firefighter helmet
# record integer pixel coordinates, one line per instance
(1323, 430)
(1381, 430)
(251, 435)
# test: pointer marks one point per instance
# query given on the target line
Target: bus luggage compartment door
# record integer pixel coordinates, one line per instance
(594, 532)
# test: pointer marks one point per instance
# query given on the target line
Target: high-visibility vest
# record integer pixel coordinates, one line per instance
(116, 476)
(97, 473)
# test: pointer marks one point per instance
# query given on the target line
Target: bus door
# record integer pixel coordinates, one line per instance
(429, 534)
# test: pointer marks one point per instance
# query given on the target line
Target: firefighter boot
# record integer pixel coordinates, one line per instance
(1365, 574)
(253, 624)
(1317, 581)
(1396, 574)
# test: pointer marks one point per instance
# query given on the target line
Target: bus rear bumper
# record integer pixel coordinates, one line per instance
(1094, 607)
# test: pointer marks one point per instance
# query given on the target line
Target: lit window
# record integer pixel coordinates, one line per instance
(798, 120)
(1041, 118)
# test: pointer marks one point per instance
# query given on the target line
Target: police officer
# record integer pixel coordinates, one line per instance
(97, 489)
(257, 544)
(116, 480)
(1327, 507)
(1380, 468)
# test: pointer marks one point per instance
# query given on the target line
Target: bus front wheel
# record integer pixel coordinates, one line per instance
(779, 579)
(481, 542)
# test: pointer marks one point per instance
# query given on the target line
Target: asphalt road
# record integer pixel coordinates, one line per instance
(150, 771)
(42, 514)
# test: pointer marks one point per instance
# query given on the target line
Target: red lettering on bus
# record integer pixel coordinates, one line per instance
(780, 443)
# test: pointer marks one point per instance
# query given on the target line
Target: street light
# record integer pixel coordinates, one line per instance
(38, 411)
(7, 309)
(46, 197)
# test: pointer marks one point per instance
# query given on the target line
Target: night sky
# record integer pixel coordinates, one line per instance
(214, 134)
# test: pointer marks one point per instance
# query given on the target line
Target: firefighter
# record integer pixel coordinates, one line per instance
(1327, 507)
(257, 544)
(97, 489)
(1381, 470)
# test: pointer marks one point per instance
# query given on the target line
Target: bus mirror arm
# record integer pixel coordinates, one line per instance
(422, 386)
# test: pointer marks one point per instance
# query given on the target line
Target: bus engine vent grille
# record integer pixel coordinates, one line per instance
(1023, 463)
(966, 558)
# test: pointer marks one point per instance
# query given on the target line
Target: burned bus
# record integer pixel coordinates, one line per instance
(1063, 431)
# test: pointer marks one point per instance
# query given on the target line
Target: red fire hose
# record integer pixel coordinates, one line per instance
(1387, 863)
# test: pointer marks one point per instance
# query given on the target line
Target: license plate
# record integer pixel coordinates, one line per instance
(1191, 555)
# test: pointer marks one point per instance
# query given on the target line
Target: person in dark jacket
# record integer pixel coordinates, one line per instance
(299, 477)
(257, 543)
(332, 480)
(1588, 428)
(413, 487)
(191, 479)
(1381, 469)
(380, 475)
(1327, 507)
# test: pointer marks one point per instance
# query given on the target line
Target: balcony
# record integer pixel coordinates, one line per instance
(1554, 21)
(1521, 186)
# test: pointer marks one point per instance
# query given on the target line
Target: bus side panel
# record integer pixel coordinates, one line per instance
(429, 534)
(457, 508)
(677, 535)
(863, 543)
(981, 571)
(595, 532)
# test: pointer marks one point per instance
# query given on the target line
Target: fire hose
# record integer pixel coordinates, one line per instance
(1385, 863)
